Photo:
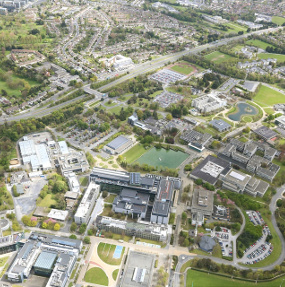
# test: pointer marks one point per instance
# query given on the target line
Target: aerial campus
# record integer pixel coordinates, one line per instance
(142, 143)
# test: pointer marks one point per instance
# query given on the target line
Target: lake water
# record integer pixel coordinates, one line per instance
(243, 109)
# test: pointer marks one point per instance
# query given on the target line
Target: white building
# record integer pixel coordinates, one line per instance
(87, 203)
(208, 103)
(119, 62)
(57, 214)
(35, 154)
(73, 182)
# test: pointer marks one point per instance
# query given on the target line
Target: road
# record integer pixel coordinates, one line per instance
(138, 70)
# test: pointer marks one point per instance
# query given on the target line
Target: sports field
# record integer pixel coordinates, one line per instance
(278, 57)
(202, 279)
(106, 253)
(182, 68)
(268, 97)
(278, 20)
(218, 57)
(134, 153)
(258, 43)
(96, 275)
(162, 157)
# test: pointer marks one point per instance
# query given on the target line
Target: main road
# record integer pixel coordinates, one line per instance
(138, 70)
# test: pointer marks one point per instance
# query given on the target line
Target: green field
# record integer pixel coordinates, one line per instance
(115, 274)
(47, 201)
(162, 157)
(258, 43)
(182, 69)
(278, 57)
(218, 57)
(96, 275)
(236, 27)
(105, 252)
(202, 279)
(116, 110)
(3, 260)
(278, 20)
(268, 97)
(134, 153)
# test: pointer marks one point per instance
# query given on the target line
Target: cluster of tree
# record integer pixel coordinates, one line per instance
(83, 43)
(206, 185)
(212, 80)
(241, 200)
(280, 215)
(162, 278)
(15, 224)
(6, 201)
(184, 239)
(14, 190)
(29, 221)
(50, 224)
(71, 96)
(137, 85)
(178, 110)
(56, 186)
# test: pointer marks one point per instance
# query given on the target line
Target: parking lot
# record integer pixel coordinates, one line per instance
(255, 217)
(225, 241)
(166, 76)
(165, 99)
(259, 250)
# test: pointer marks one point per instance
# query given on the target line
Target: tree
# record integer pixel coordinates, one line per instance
(56, 227)
(15, 193)
(184, 197)
(184, 216)
(73, 236)
(86, 240)
(82, 228)
(104, 193)
(44, 225)
(59, 186)
(169, 117)
(73, 226)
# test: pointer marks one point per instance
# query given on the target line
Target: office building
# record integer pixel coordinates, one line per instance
(208, 103)
(87, 203)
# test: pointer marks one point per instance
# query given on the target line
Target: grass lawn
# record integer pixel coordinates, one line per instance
(182, 69)
(269, 111)
(258, 43)
(47, 201)
(115, 110)
(278, 57)
(96, 275)
(236, 27)
(268, 97)
(84, 181)
(247, 119)
(156, 93)
(278, 20)
(218, 57)
(110, 198)
(3, 260)
(202, 279)
(134, 153)
(115, 274)
(105, 252)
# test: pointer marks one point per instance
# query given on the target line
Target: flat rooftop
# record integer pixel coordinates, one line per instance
(118, 142)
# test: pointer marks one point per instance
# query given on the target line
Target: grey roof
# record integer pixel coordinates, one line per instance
(220, 125)
(117, 142)
(45, 260)
(161, 208)
(265, 133)
(209, 177)
(207, 243)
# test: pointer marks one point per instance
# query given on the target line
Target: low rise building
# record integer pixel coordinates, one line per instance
(87, 203)
(57, 214)
(196, 140)
(141, 229)
(220, 125)
(118, 145)
(48, 255)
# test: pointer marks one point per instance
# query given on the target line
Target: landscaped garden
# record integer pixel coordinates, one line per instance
(96, 275)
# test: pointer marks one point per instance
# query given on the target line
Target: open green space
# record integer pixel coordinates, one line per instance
(3, 260)
(110, 198)
(236, 27)
(115, 274)
(84, 180)
(134, 153)
(218, 57)
(269, 111)
(182, 68)
(105, 252)
(47, 201)
(116, 110)
(202, 279)
(268, 97)
(278, 20)
(278, 57)
(162, 157)
(96, 275)
(258, 43)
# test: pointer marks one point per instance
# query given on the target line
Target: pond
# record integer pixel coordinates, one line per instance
(163, 158)
(243, 109)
